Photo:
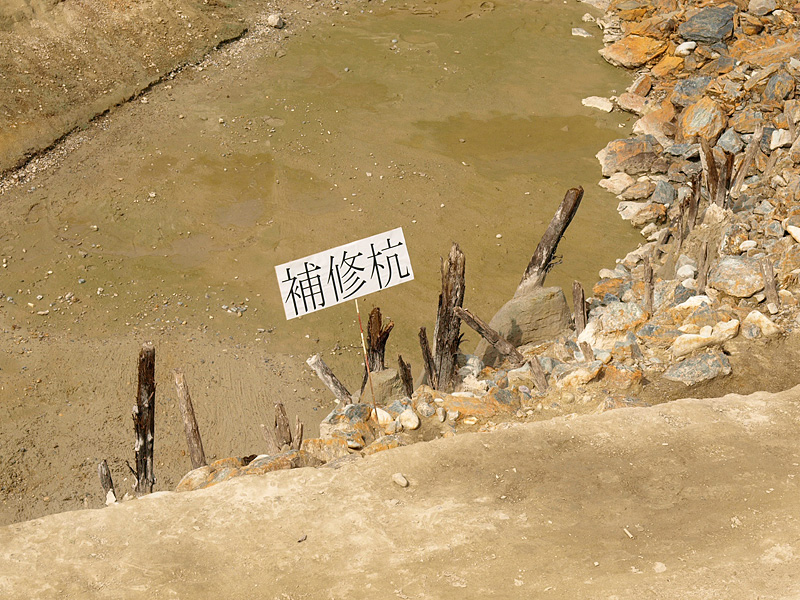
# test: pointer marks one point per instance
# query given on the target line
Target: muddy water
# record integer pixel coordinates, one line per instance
(458, 123)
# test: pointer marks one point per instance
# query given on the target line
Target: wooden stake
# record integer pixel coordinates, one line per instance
(648, 285)
(377, 336)
(749, 156)
(588, 353)
(366, 361)
(770, 289)
(542, 260)
(579, 302)
(539, 376)
(694, 204)
(297, 436)
(329, 379)
(709, 164)
(502, 345)
(447, 333)
(283, 434)
(404, 369)
(144, 420)
(702, 269)
(427, 358)
(190, 428)
(109, 493)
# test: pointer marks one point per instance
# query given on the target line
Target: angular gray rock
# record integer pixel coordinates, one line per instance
(709, 26)
(696, 369)
(535, 315)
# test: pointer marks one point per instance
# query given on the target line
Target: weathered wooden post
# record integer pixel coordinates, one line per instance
(447, 333)
(579, 301)
(542, 260)
(329, 379)
(377, 336)
(749, 156)
(694, 204)
(196, 453)
(279, 436)
(702, 269)
(502, 345)
(404, 369)
(144, 420)
(427, 358)
(768, 273)
(104, 473)
(648, 286)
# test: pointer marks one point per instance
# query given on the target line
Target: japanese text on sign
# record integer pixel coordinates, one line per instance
(344, 273)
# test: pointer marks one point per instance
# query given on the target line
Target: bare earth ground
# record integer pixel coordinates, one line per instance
(691, 499)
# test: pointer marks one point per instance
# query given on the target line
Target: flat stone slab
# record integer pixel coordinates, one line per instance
(695, 499)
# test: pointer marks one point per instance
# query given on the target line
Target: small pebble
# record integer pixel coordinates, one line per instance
(400, 480)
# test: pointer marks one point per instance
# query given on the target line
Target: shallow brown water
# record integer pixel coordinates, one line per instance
(467, 127)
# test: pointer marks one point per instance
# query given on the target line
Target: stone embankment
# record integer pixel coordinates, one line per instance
(710, 176)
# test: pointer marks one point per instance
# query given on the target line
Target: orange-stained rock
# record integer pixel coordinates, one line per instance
(666, 66)
(609, 285)
(621, 376)
(387, 442)
(658, 26)
(496, 400)
(291, 459)
(780, 52)
(633, 51)
(326, 449)
(226, 462)
(194, 478)
(702, 119)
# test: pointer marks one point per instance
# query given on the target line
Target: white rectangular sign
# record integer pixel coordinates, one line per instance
(344, 273)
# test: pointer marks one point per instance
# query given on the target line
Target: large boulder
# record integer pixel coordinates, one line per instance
(387, 385)
(534, 315)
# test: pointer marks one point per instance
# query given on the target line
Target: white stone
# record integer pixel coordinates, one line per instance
(275, 20)
(383, 417)
(689, 328)
(588, 18)
(694, 302)
(772, 308)
(400, 480)
(599, 103)
(617, 183)
(581, 32)
(794, 232)
(685, 49)
(686, 271)
(409, 419)
(765, 324)
(707, 336)
(441, 414)
(781, 138)
(110, 498)
(747, 245)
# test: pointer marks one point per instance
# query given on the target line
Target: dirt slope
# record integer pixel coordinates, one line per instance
(692, 499)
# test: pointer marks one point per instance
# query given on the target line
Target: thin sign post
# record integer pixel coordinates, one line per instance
(344, 273)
